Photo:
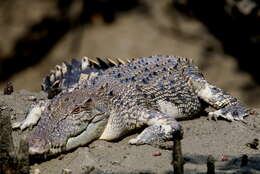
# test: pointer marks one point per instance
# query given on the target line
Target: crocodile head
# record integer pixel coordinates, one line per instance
(70, 120)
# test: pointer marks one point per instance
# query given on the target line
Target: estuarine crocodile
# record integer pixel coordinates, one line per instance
(110, 101)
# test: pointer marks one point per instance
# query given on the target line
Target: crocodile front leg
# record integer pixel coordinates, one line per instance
(161, 128)
(33, 116)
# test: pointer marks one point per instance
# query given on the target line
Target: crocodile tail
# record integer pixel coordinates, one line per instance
(68, 75)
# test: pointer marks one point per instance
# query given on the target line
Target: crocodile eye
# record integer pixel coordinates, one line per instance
(76, 111)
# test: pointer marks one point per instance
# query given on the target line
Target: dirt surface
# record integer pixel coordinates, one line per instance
(202, 137)
(136, 34)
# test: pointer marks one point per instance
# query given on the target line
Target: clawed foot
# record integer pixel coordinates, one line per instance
(31, 119)
(22, 125)
(17, 125)
(218, 114)
(231, 113)
(159, 136)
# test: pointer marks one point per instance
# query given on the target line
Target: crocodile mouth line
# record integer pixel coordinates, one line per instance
(54, 150)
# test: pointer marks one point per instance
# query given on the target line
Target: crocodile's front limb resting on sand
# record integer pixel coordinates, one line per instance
(160, 129)
(33, 116)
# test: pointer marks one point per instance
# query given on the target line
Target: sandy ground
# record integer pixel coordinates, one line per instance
(134, 35)
(202, 137)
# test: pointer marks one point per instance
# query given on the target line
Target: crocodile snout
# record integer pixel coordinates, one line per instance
(38, 145)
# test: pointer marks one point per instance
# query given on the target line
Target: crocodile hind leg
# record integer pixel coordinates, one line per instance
(228, 107)
(161, 128)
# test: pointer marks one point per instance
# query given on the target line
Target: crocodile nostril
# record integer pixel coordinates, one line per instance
(38, 145)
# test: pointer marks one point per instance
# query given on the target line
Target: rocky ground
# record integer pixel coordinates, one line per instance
(225, 141)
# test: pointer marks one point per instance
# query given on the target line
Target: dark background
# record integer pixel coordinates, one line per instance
(222, 37)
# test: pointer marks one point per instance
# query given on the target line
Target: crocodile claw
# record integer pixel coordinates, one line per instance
(232, 113)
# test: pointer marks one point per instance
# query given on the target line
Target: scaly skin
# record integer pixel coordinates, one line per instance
(69, 75)
(150, 92)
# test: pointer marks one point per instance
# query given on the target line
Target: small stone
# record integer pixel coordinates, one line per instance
(66, 171)
(115, 162)
(253, 144)
(156, 153)
(88, 169)
(91, 146)
(36, 171)
(224, 158)
(32, 98)
(61, 157)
